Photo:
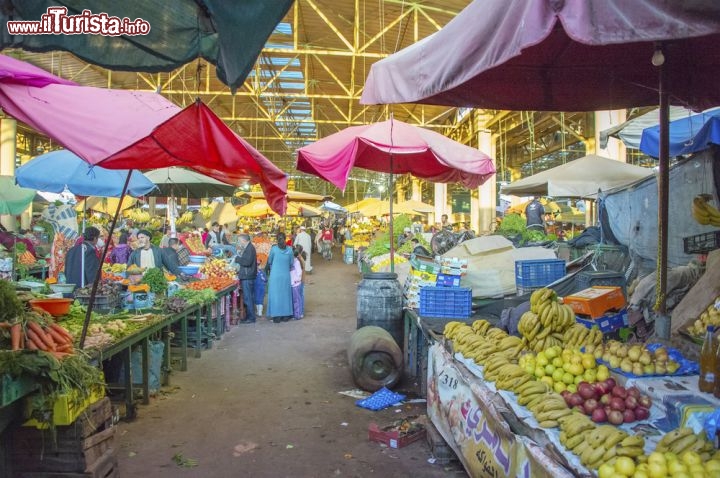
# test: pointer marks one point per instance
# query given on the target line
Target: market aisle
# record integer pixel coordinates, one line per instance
(264, 403)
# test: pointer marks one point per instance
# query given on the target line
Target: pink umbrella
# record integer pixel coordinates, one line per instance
(395, 147)
(565, 55)
(122, 129)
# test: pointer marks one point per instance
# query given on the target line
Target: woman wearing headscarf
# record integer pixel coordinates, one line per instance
(280, 261)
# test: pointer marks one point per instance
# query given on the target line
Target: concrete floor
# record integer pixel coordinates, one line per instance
(264, 402)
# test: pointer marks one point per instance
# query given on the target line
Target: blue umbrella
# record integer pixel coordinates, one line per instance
(53, 172)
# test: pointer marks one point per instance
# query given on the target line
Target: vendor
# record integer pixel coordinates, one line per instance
(148, 255)
(9, 239)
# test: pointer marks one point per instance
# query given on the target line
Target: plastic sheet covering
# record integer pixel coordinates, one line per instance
(633, 215)
(227, 34)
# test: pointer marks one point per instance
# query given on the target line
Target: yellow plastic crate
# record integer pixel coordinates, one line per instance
(65, 408)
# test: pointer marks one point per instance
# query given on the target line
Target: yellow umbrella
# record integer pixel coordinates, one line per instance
(104, 205)
(417, 206)
(382, 208)
(260, 208)
(364, 203)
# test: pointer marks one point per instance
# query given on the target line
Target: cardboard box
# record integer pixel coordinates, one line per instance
(444, 280)
(393, 437)
(596, 301)
(423, 275)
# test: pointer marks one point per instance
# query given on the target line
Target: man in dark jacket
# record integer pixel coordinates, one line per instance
(76, 271)
(148, 255)
(247, 271)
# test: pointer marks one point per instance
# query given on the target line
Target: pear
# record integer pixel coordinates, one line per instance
(660, 368)
(590, 348)
(607, 356)
(634, 353)
(672, 367)
(622, 351)
(637, 368)
(598, 353)
(614, 361)
(645, 358)
(626, 365)
(649, 369)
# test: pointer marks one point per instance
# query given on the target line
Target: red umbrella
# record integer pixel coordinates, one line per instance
(571, 55)
(397, 148)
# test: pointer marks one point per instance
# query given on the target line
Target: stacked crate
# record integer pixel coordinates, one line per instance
(85, 448)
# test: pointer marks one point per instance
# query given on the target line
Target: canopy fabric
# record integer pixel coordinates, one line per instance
(418, 151)
(687, 135)
(580, 178)
(181, 182)
(332, 207)
(58, 170)
(291, 195)
(417, 206)
(261, 208)
(122, 129)
(549, 55)
(630, 132)
(211, 29)
(13, 198)
(105, 205)
(357, 206)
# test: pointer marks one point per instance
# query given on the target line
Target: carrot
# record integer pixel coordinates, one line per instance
(59, 355)
(65, 348)
(39, 343)
(40, 333)
(15, 333)
(30, 344)
(5, 325)
(58, 338)
(62, 331)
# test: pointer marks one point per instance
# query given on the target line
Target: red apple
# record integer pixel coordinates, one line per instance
(610, 383)
(615, 417)
(601, 388)
(634, 392)
(628, 416)
(631, 403)
(590, 405)
(642, 413)
(617, 403)
(586, 390)
(605, 399)
(619, 391)
(645, 401)
(599, 415)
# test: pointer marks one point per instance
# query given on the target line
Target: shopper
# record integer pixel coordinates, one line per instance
(182, 252)
(81, 262)
(260, 287)
(121, 252)
(304, 240)
(296, 282)
(247, 273)
(534, 213)
(325, 241)
(280, 261)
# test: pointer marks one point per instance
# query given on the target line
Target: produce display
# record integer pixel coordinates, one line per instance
(217, 268)
(155, 279)
(703, 212)
(606, 401)
(215, 283)
(563, 369)
(635, 359)
(711, 316)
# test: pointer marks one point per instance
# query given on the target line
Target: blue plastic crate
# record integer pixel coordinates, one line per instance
(539, 272)
(446, 302)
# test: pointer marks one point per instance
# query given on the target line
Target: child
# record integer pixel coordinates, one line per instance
(260, 284)
(296, 282)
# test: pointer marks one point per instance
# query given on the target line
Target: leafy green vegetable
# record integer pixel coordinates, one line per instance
(10, 306)
(155, 278)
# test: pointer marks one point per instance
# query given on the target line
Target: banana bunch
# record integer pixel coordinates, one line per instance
(481, 326)
(703, 212)
(510, 376)
(596, 445)
(138, 215)
(683, 439)
(454, 328)
(546, 322)
(185, 218)
(492, 366)
(548, 409)
(579, 336)
(206, 211)
(532, 392)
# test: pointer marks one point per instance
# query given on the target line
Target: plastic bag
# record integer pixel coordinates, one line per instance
(381, 399)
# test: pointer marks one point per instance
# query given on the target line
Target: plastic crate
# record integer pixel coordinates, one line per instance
(598, 278)
(65, 409)
(607, 323)
(448, 280)
(450, 302)
(13, 388)
(102, 303)
(701, 243)
(538, 272)
(596, 301)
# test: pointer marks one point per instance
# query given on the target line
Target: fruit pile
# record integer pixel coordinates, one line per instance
(710, 316)
(480, 342)
(703, 212)
(544, 325)
(217, 268)
(594, 444)
(547, 407)
(606, 401)
(635, 359)
(563, 369)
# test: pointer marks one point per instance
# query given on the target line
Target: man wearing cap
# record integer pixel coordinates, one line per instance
(148, 255)
(404, 237)
(302, 238)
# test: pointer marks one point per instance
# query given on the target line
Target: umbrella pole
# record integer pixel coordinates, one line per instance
(98, 276)
(391, 191)
(663, 196)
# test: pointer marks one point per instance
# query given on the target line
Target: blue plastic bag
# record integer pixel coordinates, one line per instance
(383, 398)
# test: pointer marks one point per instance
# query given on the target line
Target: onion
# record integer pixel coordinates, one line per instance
(586, 390)
(615, 417)
(599, 415)
(617, 403)
(601, 388)
(610, 383)
(642, 413)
